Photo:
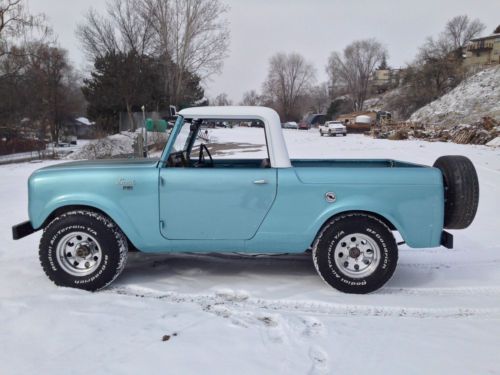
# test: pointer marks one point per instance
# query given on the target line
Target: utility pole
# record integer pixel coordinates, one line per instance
(143, 108)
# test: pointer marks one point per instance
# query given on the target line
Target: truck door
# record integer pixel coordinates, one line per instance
(214, 203)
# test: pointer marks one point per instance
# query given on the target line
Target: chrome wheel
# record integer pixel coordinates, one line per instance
(357, 255)
(78, 253)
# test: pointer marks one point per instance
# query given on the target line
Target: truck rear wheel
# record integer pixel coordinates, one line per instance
(83, 249)
(461, 190)
(355, 253)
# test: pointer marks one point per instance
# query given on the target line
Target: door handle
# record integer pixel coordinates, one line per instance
(260, 182)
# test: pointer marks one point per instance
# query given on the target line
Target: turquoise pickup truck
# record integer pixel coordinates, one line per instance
(345, 212)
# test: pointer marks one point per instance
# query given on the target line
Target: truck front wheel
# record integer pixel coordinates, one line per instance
(355, 253)
(83, 249)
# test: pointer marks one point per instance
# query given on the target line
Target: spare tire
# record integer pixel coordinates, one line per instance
(461, 190)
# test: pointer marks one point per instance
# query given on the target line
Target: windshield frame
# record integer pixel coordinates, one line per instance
(188, 144)
(171, 139)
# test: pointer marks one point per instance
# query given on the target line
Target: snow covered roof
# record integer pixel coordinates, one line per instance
(84, 121)
(492, 36)
(278, 153)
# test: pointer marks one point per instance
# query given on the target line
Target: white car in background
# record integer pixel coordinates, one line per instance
(333, 128)
(290, 125)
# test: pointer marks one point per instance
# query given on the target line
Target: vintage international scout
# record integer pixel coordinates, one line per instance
(346, 211)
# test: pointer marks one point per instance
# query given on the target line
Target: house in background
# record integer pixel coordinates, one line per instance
(382, 79)
(79, 127)
(84, 128)
(483, 51)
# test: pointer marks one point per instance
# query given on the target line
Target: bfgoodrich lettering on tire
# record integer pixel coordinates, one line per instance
(355, 253)
(83, 249)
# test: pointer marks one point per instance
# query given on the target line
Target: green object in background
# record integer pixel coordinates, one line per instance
(156, 125)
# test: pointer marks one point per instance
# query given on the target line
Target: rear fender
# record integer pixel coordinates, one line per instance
(425, 234)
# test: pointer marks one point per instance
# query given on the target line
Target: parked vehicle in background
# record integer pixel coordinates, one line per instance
(345, 210)
(311, 121)
(333, 128)
(290, 125)
(303, 125)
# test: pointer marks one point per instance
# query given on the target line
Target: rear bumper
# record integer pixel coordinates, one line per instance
(22, 230)
(447, 239)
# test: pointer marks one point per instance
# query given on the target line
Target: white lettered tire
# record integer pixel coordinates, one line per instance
(83, 249)
(355, 253)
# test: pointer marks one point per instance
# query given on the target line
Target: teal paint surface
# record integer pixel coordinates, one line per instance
(222, 209)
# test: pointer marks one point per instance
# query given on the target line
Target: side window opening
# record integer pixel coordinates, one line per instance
(220, 144)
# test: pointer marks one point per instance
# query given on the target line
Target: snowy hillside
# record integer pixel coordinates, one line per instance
(474, 98)
(232, 313)
(382, 102)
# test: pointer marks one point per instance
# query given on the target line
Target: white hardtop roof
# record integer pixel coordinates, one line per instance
(278, 153)
(230, 112)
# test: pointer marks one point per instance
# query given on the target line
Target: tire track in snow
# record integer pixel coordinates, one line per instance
(244, 302)
(452, 291)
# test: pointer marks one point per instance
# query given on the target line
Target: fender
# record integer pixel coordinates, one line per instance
(107, 206)
(414, 236)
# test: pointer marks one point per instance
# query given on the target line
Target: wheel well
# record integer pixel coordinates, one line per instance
(378, 216)
(61, 210)
(374, 214)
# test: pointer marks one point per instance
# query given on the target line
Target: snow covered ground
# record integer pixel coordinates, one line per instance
(35, 156)
(228, 313)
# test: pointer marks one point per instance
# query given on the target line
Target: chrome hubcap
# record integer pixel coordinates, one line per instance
(78, 253)
(357, 255)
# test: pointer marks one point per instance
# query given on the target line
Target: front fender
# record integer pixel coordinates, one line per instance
(134, 208)
(40, 211)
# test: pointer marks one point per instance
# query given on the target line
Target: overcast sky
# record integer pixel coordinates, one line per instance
(314, 28)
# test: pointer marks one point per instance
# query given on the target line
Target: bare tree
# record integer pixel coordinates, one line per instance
(289, 78)
(17, 27)
(251, 98)
(319, 99)
(15, 19)
(46, 90)
(222, 100)
(354, 68)
(193, 34)
(461, 29)
(122, 30)
(57, 95)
